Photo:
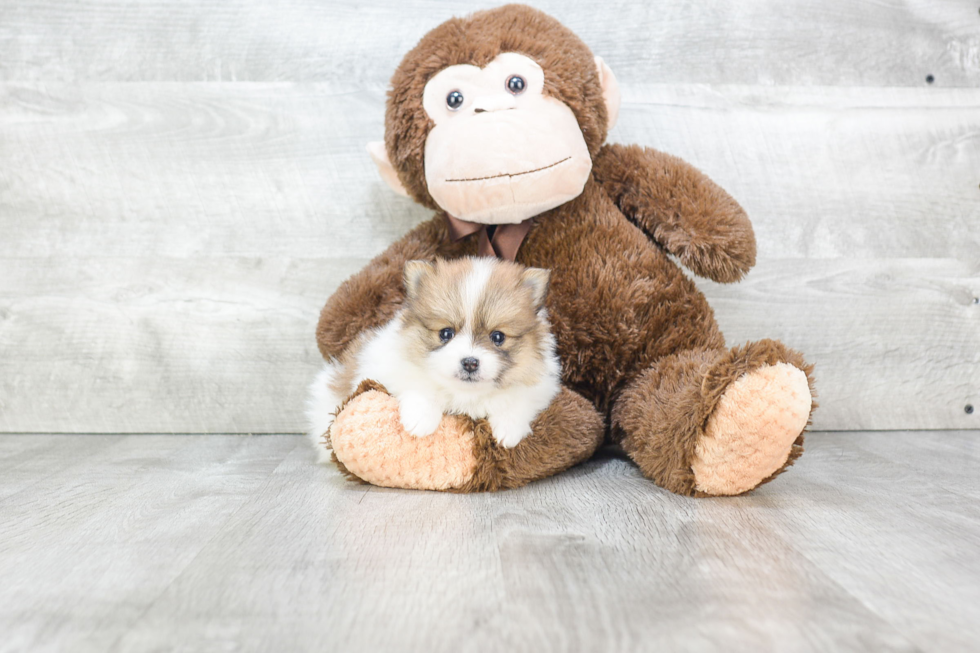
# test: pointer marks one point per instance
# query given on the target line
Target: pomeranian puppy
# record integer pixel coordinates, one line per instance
(473, 338)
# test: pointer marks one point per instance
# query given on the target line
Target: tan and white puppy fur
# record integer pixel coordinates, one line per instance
(473, 339)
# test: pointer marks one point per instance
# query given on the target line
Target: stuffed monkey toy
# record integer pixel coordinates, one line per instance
(497, 122)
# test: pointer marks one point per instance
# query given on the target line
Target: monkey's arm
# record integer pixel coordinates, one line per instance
(680, 208)
(372, 296)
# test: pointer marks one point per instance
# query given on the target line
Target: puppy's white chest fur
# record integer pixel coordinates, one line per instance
(449, 352)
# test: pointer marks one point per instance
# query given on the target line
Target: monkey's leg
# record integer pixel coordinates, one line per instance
(717, 422)
(369, 444)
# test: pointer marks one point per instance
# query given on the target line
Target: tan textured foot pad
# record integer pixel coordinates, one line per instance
(369, 440)
(751, 432)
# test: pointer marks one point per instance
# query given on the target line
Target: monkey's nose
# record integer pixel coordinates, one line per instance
(495, 102)
(470, 364)
(482, 110)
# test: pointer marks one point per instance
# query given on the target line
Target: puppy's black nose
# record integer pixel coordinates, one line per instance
(470, 364)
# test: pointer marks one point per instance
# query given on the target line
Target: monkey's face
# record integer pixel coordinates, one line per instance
(501, 151)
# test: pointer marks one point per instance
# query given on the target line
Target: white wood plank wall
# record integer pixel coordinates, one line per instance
(183, 183)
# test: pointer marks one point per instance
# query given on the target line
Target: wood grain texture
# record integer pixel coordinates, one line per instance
(171, 345)
(116, 522)
(830, 172)
(896, 342)
(242, 543)
(168, 239)
(27, 460)
(194, 170)
(766, 42)
(224, 345)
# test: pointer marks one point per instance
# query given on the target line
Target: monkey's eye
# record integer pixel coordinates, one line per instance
(454, 100)
(447, 334)
(516, 84)
(497, 338)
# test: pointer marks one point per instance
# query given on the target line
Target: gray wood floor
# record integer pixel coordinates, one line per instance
(133, 542)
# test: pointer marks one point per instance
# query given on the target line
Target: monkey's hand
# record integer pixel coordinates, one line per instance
(680, 208)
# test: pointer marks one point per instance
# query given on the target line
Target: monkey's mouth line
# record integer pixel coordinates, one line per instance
(512, 174)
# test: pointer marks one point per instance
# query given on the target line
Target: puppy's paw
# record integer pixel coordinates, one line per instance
(509, 433)
(419, 415)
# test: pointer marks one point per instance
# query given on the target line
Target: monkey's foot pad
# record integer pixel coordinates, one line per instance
(751, 432)
(368, 439)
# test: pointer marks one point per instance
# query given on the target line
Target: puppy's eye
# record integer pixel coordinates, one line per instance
(447, 334)
(497, 338)
(516, 84)
(454, 100)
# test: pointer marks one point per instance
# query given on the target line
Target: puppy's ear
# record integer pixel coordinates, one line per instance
(537, 279)
(415, 273)
(387, 171)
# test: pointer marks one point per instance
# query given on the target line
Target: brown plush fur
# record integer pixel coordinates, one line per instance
(372, 296)
(680, 208)
(548, 452)
(636, 338)
(661, 415)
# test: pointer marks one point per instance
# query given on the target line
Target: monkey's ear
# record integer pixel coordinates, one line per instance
(415, 272)
(380, 157)
(538, 280)
(610, 91)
